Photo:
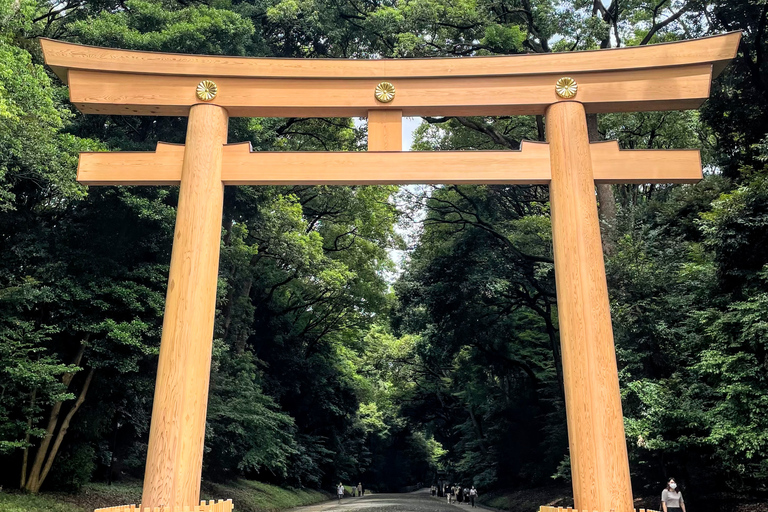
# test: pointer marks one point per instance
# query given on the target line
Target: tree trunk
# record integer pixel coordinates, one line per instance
(606, 201)
(34, 480)
(25, 457)
(478, 430)
(64, 427)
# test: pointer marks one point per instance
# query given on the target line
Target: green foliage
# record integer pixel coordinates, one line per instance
(252, 496)
(30, 378)
(74, 469)
(246, 431)
(32, 145)
(150, 26)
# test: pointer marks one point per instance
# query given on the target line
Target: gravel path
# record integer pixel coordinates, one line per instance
(419, 501)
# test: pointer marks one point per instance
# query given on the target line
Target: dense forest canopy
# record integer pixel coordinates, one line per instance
(324, 367)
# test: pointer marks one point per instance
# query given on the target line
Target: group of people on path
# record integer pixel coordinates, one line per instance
(356, 491)
(458, 494)
(671, 497)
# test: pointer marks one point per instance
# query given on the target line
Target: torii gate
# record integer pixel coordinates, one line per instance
(564, 87)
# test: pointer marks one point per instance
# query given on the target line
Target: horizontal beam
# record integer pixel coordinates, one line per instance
(530, 165)
(715, 50)
(613, 165)
(668, 88)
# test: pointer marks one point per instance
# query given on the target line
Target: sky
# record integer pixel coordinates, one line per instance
(398, 256)
(409, 126)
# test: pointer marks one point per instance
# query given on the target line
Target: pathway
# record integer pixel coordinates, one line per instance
(419, 501)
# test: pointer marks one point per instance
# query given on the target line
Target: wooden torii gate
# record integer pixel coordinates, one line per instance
(564, 87)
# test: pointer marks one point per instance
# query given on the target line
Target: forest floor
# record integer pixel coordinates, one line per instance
(249, 496)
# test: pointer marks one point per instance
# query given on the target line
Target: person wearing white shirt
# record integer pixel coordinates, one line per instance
(472, 495)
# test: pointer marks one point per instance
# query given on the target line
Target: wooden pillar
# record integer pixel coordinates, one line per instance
(385, 130)
(599, 463)
(177, 431)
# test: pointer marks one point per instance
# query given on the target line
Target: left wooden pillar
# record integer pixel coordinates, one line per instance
(177, 431)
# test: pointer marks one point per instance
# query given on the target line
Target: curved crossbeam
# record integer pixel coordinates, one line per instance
(668, 76)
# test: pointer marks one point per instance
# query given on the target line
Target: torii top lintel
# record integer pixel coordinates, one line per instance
(670, 76)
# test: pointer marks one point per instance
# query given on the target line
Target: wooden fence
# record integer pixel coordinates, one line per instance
(211, 506)
(545, 508)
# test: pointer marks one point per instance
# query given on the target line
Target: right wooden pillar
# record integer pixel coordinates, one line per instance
(598, 449)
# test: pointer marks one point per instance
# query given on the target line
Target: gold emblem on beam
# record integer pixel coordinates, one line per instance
(385, 92)
(566, 87)
(207, 90)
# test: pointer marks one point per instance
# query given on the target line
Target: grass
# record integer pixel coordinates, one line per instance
(252, 496)
(247, 495)
(28, 503)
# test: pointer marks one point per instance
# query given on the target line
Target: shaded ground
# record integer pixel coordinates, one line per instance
(248, 496)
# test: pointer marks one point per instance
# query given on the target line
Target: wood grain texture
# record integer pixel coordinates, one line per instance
(177, 430)
(613, 165)
(599, 463)
(717, 50)
(385, 130)
(547, 508)
(665, 88)
(211, 506)
(531, 165)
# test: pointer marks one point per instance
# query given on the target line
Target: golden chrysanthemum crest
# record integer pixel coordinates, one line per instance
(207, 90)
(566, 87)
(385, 92)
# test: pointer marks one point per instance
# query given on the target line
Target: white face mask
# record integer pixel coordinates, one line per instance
(673, 486)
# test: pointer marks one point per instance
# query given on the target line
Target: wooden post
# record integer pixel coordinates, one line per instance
(385, 130)
(177, 431)
(599, 463)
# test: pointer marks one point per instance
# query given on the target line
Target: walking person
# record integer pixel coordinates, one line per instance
(340, 491)
(459, 495)
(472, 495)
(450, 493)
(672, 498)
(359, 488)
